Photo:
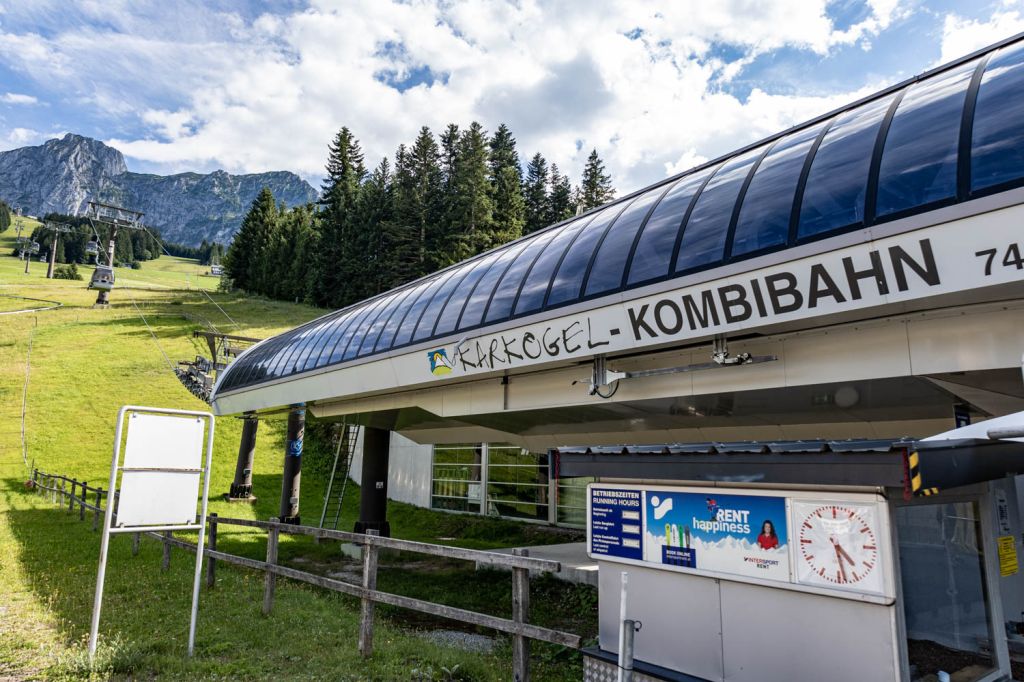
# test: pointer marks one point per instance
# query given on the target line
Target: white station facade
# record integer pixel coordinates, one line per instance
(850, 286)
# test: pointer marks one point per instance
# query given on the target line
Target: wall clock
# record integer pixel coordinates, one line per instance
(838, 545)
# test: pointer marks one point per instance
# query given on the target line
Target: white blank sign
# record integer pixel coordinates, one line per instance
(160, 497)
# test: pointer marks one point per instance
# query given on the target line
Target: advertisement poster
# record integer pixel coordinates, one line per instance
(616, 524)
(738, 534)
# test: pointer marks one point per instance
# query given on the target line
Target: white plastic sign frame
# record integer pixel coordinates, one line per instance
(159, 484)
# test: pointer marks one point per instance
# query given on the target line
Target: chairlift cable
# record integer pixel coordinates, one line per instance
(170, 365)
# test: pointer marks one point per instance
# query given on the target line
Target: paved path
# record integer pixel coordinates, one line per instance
(577, 567)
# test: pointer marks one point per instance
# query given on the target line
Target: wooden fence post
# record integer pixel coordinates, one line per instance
(81, 501)
(269, 580)
(71, 497)
(167, 552)
(369, 583)
(520, 614)
(96, 511)
(211, 563)
(135, 543)
(60, 501)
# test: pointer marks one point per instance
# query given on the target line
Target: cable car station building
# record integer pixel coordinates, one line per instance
(746, 358)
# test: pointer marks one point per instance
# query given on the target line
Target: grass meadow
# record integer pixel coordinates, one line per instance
(85, 364)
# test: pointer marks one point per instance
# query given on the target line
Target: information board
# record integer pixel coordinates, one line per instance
(616, 522)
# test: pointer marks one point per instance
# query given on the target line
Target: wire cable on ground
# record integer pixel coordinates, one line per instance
(24, 397)
(218, 307)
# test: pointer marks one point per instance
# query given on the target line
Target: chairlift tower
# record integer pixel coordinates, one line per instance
(117, 218)
(57, 228)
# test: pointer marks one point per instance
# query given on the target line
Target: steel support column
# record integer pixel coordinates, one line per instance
(373, 493)
(293, 466)
(241, 487)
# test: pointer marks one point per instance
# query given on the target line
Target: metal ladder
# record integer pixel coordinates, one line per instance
(334, 496)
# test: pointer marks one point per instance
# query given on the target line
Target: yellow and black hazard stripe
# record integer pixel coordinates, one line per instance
(914, 462)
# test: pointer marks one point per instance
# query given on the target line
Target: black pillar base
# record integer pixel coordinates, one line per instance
(382, 527)
(373, 491)
(292, 520)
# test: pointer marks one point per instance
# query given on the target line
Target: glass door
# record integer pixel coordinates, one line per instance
(947, 606)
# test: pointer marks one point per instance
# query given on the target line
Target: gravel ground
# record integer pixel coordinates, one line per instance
(466, 641)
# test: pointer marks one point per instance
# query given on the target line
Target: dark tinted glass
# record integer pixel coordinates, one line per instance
(370, 339)
(920, 153)
(453, 308)
(768, 204)
(708, 226)
(392, 325)
(531, 296)
(501, 303)
(613, 253)
(273, 368)
(425, 329)
(836, 185)
(658, 239)
(412, 318)
(569, 278)
(473, 313)
(331, 355)
(327, 340)
(302, 345)
(358, 331)
(997, 146)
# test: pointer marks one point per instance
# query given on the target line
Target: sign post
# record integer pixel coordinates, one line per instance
(160, 480)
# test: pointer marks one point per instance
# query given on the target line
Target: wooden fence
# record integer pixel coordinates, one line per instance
(69, 492)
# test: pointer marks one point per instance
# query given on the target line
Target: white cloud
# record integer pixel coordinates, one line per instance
(962, 36)
(17, 98)
(642, 81)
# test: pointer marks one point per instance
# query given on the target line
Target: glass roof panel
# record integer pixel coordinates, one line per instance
(837, 183)
(569, 277)
(425, 328)
(500, 307)
(997, 146)
(653, 256)
(328, 339)
(768, 204)
(407, 326)
(919, 159)
(392, 326)
(331, 355)
(531, 296)
(473, 312)
(708, 225)
(453, 308)
(610, 263)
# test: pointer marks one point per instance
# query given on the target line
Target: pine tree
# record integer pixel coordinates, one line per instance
(535, 195)
(339, 262)
(507, 185)
(596, 185)
(250, 243)
(426, 210)
(472, 206)
(374, 209)
(560, 200)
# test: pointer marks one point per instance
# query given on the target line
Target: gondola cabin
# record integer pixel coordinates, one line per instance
(102, 279)
(92, 246)
(33, 247)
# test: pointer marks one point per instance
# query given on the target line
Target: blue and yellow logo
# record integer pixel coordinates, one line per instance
(439, 362)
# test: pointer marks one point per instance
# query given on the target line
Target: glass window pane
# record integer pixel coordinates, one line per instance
(295, 361)
(412, 318)
(569, 278)
(768, 204)
(331, 355)
(654, 250)
(501, 304)
(361, 345)
(425, 328)
(370, 340)
(920, 153)
(272, 368)
(837, 182)
(708, 226)
(477, 303)
(453, 308)
(609, 266)
(997, 147)
(360, 330)
(327, 340)
(531, 296)
(392, 326)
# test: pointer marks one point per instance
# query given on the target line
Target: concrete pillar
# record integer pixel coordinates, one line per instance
(241, 487)
(373, 493)
(292, 466)
(53, 255)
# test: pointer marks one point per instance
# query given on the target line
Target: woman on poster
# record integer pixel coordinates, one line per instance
(768, 539)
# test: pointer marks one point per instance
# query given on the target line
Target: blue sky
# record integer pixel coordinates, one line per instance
(655, 86)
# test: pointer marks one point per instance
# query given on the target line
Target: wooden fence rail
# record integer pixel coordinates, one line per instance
(368, 594)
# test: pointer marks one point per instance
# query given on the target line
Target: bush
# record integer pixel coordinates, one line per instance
(66, 272)
(136, 265)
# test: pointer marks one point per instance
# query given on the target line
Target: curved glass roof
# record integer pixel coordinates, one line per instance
(950, 136)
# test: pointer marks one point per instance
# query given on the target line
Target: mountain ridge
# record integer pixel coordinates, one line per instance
(63, 174)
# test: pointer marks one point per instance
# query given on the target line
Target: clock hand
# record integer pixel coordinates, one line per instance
(842, 552)
(839, 560)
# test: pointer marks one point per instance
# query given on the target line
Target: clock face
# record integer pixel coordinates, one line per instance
(838, 545)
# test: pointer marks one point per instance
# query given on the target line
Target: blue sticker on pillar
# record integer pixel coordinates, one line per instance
(295, 448)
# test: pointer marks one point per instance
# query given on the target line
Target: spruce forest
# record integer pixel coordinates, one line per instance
(443, 199)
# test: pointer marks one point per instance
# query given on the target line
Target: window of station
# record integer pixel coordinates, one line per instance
(768, 204)
(473, 313)
(329, 335)
(500, 307)
(708, 225)
(837, 183)
(610, 262)
(456, 484)
(453, 308)
(653, 256)
(919, 159)
(408, 325)
(569, 277)
(517, 483)
(531, 296)
(946, 604)
(997, 146)
(572, 501)
(389, 336)
(358, 319)
(377, 328)
(369, 324)
(425, 327)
